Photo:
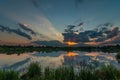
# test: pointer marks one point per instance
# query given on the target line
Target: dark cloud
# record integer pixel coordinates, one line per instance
(80, 24)
(16, 31)
(101, 39)
(108, 24)
(21, 33)
(114, 32)
(78, 2)
(25, 27)
(49, 43)
(93, 34)
(34, 2)
(82, 37)
(104, 27)
(70, 28)
(72, 35)
(101, 33)
(104, 32)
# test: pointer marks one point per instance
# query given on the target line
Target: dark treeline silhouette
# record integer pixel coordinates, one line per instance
(22, 49)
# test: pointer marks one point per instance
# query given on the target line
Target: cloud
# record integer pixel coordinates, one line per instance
(49, 43)
(24, 34)
(104, 27)
(16, 31)
(70, 28)
(75, 35)
(19, 32)
(100, 39)
(108, 24)
(81, 37)
(34, 2)
(25, 27)
(25, 12)
(80, 24)
(44, 26)
(114, 32)
(102, 33)
(78, 2)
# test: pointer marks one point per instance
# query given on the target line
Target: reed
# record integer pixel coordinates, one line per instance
(35, 72)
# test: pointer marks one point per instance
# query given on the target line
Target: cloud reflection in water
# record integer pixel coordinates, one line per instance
(57, 59)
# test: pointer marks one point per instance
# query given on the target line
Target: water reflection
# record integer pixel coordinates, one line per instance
(71, 54)
(57, 59)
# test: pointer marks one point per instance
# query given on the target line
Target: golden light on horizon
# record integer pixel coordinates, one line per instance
(70, 43)
(71, 54)
(92, 43)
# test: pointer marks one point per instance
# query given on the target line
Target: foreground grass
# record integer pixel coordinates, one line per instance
(9, 75)
(118, 57)
(35, 72)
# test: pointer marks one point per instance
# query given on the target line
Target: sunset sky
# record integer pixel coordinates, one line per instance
(47, 19)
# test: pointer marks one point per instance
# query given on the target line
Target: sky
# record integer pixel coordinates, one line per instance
(47, 19)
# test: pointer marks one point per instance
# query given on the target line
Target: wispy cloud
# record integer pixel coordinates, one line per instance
(26, 28)
(38, 23)
(16, 31)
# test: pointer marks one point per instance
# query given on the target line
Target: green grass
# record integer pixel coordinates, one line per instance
(87, 74)
(9, 75)
(108, 72)
(35, 72)
(67, 73)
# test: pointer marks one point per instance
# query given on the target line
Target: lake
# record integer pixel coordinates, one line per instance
(76, 59)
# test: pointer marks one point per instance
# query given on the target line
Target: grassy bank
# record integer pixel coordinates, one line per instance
(35, 72)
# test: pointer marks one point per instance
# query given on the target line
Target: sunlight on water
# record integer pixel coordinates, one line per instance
(71, 54)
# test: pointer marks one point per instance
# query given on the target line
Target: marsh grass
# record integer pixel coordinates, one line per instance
(9, 75)
(118, 57)
(87, 74)
(35, 72)
(109, 72)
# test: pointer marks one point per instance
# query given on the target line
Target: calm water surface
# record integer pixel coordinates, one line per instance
(56, 59)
